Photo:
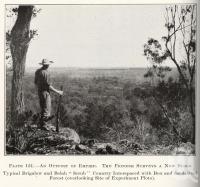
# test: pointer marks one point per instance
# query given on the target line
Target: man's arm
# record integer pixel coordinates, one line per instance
(55, 90)
(46, 77)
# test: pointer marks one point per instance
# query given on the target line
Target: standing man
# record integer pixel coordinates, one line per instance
(42, 81)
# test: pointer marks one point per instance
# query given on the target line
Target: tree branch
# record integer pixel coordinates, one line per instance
(177, 65)
(174, 45)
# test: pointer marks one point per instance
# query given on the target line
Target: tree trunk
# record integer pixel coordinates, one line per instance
(192, 111)
(19, 45)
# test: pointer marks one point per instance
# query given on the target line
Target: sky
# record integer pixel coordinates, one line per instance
(94, 36)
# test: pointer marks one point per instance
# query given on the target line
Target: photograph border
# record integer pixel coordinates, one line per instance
(109, 4)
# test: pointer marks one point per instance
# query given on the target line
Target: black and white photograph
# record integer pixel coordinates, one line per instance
(100, 79)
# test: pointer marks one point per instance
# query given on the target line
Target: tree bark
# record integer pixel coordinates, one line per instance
(192, 111)
(20, 38)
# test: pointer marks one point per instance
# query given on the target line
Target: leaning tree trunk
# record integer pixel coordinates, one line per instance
(20, 38)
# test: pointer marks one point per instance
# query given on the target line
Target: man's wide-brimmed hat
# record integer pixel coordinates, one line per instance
(46, 62)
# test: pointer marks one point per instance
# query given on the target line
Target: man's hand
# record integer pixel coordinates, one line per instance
(60, 92)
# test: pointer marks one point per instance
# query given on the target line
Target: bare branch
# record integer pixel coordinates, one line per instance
(174, 22)
(178, 67)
